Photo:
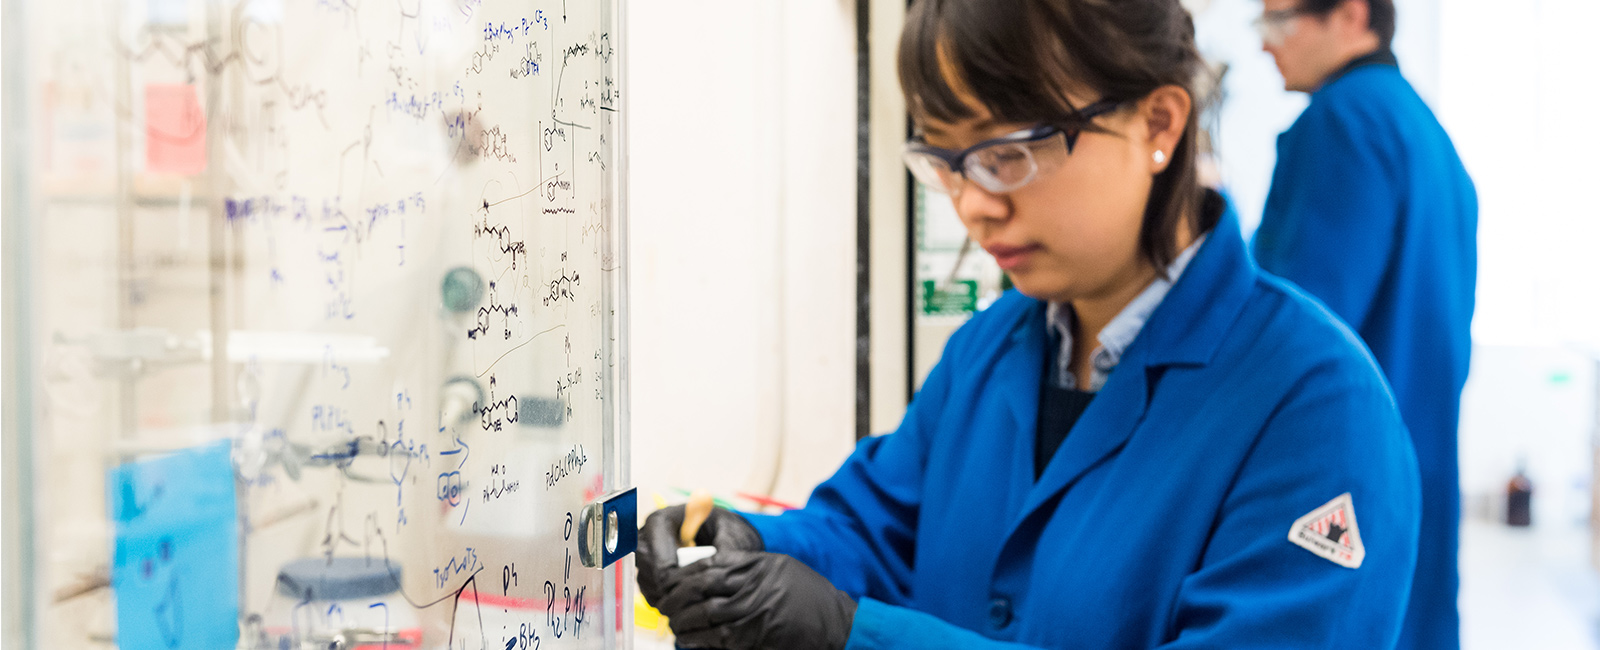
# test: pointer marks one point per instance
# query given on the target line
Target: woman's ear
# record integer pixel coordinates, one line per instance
(1166, 113)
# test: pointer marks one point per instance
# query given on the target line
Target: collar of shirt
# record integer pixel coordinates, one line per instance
(1380, 56)
(1119, 333)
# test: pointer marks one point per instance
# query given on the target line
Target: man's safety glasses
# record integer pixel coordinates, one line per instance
(999, 165)
(1277, 26)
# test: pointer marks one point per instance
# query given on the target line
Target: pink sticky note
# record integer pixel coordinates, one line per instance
(175, 129)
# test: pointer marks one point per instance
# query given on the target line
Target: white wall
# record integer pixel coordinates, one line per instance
(1518, 96)
(742, 225)
(1532, 406)
(1515, 93)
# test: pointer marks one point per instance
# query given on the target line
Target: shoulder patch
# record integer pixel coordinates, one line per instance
(1331, 533)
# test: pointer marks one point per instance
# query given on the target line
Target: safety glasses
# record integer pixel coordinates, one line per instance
(1277, 26)
(1002, 164)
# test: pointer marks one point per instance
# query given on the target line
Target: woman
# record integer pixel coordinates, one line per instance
(1150, 443)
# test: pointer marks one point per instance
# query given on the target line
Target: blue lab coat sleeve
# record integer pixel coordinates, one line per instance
(1339, 188)
(1252, 589)
(859, 527)
(878, 625)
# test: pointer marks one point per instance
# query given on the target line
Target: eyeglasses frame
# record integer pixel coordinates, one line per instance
(1278, 20)
(956, 160)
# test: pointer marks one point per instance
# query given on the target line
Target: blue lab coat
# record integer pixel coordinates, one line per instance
(1371, 211)
(1163, 520)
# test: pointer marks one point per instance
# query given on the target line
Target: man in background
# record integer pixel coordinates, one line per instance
(1371, 211)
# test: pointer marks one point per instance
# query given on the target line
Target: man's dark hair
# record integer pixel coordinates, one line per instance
(1019, 59)
(1380, 15)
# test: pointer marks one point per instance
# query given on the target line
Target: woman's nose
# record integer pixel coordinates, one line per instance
(975, 205)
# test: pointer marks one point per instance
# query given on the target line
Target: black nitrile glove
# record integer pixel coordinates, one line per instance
(742, 600)
(657, 555)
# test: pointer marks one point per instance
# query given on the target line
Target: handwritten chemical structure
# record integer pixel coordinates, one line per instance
(499, 484)
(501, 241)
(495, 414)
(561, 288)
(488, 313)
(529, 66)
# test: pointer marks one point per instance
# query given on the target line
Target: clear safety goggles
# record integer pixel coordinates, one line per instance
(1275, 27)
(1001, 164)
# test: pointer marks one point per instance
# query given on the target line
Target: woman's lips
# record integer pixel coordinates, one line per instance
(1010, 257)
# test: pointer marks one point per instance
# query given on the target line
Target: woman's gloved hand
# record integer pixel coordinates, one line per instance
(657, 555)
(742, 600)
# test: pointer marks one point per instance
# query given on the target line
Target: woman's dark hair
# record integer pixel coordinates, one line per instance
(1380, 15)
(1019, 58)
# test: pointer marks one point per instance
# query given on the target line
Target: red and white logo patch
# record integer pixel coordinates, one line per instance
(1331, 532)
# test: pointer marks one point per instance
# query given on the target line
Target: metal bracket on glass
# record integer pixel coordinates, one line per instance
(349, 639)
(608, 529)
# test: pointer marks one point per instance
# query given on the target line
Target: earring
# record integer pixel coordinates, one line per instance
(1159, 156)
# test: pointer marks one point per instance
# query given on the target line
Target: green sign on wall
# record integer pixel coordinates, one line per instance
(958, 298)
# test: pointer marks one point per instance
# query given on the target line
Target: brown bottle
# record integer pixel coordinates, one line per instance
(1519, 499)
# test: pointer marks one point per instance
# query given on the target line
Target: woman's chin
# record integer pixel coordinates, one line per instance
(1041, 289)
